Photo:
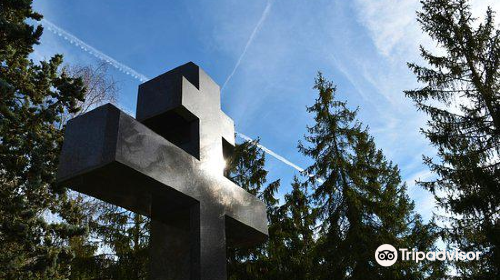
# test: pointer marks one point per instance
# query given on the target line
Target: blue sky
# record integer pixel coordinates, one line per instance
(267, 54)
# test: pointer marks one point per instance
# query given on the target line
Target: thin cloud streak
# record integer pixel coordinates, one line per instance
(93, 51)
(263, 17)
(277, 156)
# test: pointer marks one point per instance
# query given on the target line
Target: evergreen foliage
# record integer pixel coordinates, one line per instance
(116, 247)
(246, 169)
(33, 98)
(287, 253)
(460, 94)
(359, 197)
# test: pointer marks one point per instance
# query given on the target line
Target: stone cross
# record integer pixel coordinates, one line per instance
(168, 164)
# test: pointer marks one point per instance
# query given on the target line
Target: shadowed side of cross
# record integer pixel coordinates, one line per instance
(168, 166)
(183, 105)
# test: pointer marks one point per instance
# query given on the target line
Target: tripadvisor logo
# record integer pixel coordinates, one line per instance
(387, 255)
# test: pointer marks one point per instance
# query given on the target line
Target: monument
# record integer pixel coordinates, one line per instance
(168, 164)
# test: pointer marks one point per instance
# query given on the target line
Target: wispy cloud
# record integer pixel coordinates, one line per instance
(393, 27)
(391, 24)
(263, 17)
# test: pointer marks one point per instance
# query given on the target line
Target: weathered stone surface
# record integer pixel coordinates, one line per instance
(169, 167)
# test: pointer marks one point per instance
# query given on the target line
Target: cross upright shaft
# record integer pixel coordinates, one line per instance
(169, 167)
(188, 93)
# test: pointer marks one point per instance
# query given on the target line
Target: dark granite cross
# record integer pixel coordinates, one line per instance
(168, 164)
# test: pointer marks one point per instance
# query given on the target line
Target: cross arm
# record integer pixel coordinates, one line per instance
(113, 157)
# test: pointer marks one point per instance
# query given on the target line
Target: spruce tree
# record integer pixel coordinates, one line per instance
(125, 235)
(461, 95)
(246, 169)
(33, 97)
(287, 252)
(294, 239)
(359, 198)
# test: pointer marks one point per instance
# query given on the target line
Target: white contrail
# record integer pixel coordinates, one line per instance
(91, 50)
(129, 71)
(277, 156)
(263, 17)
